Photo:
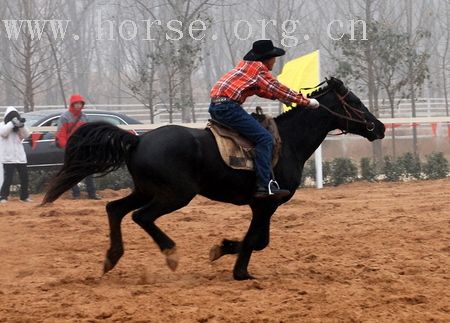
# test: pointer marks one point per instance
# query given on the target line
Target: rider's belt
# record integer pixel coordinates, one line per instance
(220, 99)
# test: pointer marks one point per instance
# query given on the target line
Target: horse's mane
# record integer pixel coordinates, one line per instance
(319, 91)
(292, 111)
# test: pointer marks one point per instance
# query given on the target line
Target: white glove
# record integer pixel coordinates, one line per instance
(313, 104)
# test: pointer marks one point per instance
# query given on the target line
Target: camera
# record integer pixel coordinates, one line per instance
(22, 121)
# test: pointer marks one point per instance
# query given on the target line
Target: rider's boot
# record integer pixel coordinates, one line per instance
(272, 190)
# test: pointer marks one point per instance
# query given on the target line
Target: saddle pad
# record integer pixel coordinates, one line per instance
(237, 151)
(234, 155)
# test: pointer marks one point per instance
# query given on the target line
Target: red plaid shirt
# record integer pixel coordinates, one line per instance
(253, 78)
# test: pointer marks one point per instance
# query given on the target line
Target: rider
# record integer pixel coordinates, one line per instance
(252, 77)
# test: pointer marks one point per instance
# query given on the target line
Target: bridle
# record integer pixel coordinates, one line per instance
(348, 109)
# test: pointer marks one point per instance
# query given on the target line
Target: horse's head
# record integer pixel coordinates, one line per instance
(351, 114)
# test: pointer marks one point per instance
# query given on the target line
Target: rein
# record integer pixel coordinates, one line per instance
(348, 108)
(370, 126)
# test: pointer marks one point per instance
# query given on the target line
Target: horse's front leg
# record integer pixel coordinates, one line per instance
(257, 238)
(227, 247)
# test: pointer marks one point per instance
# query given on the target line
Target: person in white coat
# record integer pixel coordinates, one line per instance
(1, 175)
(12, 153)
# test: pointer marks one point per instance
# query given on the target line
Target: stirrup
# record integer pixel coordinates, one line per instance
(275, 183)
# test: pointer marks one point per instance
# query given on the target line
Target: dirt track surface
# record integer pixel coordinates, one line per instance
(362, 252)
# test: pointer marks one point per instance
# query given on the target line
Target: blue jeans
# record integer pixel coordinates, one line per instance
(234, 116)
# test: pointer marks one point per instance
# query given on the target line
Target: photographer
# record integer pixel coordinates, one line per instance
(12, 153)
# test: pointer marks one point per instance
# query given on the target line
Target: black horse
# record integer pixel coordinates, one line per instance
(172, 164)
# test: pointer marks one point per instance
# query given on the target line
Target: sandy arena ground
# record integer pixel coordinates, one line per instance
(356, 253)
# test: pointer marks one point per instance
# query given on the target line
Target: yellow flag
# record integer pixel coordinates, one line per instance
(302, 72)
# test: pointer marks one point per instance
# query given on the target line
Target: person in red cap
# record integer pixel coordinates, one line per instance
(68, 123)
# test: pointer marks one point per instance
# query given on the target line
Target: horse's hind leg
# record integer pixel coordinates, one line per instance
(146, 217)
(116, 211)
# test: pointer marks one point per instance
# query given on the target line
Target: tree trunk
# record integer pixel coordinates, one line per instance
(150, 94)
(28, 104)
(444, 67)
(377, 144)
(186, 100)
(392, 104)
(58, 73)
(409, 19)
(8, 89)
(372, 95)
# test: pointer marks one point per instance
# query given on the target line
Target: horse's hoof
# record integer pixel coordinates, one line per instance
(215, 253)
(112, 258)
(172, 258)
(242, 276)
(107, 266)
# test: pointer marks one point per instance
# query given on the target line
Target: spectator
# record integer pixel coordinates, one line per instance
(68, 123)
(12, 154)
(1, 175)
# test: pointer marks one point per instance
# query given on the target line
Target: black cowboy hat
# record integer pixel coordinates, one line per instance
(263, 49)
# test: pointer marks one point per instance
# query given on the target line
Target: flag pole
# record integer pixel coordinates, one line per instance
(318, 153)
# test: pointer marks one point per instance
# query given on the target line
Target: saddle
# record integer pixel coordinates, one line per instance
(237, 151)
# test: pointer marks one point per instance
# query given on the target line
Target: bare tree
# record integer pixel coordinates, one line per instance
(81, 50)
(188, 50)
(29, 64)
(443, 51)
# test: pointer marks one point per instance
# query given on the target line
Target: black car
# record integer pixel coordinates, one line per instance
(44, 154)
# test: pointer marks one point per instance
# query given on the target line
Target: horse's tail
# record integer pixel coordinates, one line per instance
(94, 148)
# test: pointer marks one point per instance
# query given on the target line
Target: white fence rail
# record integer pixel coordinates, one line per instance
(425, 107)
(201, 125)
(318, 153)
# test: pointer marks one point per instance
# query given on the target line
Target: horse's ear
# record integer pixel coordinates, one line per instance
(331, 81)
(335, 80)
(336, 83)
